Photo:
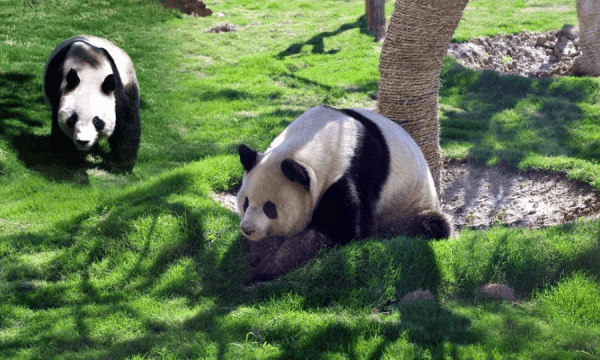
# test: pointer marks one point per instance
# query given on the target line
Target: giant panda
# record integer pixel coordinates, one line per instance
(91, 87)
(330, 177)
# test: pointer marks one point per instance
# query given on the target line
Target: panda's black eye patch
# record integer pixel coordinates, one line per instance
(245, 204)
(72, 79)
(109, 84)
(270, 210)
(72, 120)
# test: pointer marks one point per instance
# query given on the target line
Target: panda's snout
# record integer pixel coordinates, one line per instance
(83, 142)
(247, 231)
(98, 123)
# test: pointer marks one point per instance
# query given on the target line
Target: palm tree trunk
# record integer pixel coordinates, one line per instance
(588, 14)
(375, 10)
(411, 60)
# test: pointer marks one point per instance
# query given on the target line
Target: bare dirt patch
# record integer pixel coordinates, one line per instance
(528, 54)
(478, 197)
(189, 7)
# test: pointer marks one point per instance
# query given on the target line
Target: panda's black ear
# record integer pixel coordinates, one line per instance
(296, 173)
(247, 157)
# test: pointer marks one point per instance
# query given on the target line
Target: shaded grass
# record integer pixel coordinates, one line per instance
(147, 265)
(521, 122)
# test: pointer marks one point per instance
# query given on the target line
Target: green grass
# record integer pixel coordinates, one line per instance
(149, 266)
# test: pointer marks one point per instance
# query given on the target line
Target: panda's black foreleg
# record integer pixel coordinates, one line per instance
(344, 213)
(65, 152)
(294, 251)
(60, 142)
(259, 250)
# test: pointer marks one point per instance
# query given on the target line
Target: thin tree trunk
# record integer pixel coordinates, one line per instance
(411, 60)
(588, 14)
(375, 10)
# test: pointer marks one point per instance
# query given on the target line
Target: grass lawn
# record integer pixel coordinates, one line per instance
(147, 265)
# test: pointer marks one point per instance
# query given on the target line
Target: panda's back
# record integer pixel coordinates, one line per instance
(321, 138)
(327, 140)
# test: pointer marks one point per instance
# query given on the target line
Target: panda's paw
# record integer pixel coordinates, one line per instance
(258, 250)
(266, 270)
(435, 225)
(116, 167)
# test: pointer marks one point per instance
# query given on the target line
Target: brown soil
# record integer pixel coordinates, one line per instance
(530, 54)
(189, 7)
(478, 197)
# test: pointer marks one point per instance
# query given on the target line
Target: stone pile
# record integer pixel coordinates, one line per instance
(529, 54)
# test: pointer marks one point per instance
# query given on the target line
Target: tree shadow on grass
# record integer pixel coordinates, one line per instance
(364, 274)
(506, 117)
(138, 268)
(318, 43)
(527, 260)
(369, 274)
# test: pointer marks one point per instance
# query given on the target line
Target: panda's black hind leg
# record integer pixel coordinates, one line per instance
(428, 225)
(125, 140)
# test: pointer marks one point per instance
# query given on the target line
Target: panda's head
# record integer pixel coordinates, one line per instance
(275, 197)
(87, 106)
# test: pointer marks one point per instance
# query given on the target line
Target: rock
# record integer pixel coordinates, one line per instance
(541, 40)
(496, 292)
(544, 75)
(570, 31)
(560, 46)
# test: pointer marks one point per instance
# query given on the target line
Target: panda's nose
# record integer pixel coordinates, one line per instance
(83, 142)
(247, 231)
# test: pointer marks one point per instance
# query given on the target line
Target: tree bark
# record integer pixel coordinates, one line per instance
(375, 10)
(588, 14)
(411, 60)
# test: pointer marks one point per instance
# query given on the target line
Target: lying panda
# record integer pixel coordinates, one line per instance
(330, 177)
(91, 86)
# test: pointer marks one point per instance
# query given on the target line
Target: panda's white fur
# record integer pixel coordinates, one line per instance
(97, 103)
(332, 176)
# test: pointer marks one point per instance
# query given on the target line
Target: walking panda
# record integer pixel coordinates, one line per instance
(330, 177)
(91, 86)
